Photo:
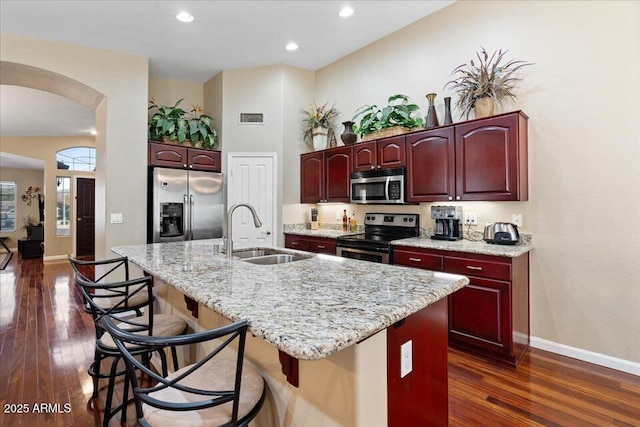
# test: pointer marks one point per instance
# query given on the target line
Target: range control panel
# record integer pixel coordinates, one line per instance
(391, 220)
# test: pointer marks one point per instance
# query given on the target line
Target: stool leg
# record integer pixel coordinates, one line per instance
(125, 398)
(95, 366)
(174, 356)
(112, 380)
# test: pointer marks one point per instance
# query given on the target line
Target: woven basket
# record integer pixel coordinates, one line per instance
(384, 133)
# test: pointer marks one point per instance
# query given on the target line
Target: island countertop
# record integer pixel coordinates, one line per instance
(310, 308)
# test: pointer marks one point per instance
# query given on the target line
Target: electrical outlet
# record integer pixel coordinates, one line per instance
(406, 363)
(470, 218)
(517, 219)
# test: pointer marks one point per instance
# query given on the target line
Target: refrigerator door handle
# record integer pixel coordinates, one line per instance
(187, 214)
(191, 217)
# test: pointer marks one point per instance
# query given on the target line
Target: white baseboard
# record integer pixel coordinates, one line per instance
(587, 356)
(54, 258)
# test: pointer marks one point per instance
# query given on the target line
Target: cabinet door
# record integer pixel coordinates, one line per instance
(391, 152)
(364, 156)
(311, 177)
(480, 315)
(296, 242)
(172, 156)
(322, 245)
(204, 160)
(431, 165)
(337, 171)
(491, 159)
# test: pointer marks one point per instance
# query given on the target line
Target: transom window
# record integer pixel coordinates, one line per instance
(77, 159)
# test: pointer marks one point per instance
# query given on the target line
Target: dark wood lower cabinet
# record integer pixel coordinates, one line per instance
(490, 315)
(321, 245)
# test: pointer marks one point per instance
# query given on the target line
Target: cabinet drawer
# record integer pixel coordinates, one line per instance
(418, 259)
(478, 268)
(296, 242)
(323, 246)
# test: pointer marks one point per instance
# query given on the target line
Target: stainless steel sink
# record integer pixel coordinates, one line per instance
(268, 256)
(252, 253)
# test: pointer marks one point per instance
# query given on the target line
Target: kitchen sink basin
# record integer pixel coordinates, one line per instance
(268, 256)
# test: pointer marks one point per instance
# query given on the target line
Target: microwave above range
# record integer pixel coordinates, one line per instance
(380, 186)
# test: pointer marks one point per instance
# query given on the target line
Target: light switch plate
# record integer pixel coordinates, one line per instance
(116, 218)
(406, 362)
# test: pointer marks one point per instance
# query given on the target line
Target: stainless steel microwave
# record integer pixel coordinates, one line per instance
(379, 186)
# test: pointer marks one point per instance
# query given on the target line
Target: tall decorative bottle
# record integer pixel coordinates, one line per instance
(447, 111)
(432, 118)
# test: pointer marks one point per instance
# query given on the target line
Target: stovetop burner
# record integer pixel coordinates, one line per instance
(380, 229)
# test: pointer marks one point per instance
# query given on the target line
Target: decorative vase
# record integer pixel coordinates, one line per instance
(348, 137)
(320, 138)
(447, 111)
(432, 118)
(483, 107)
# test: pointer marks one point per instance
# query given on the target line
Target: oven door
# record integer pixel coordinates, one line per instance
(364, 255)
(378, 190)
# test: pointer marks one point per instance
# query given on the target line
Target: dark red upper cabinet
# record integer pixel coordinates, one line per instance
(312, 177)
(431, 165)
(364, 156)
(172, 156)
(391, 152)
(204, 160)
(337, 172)
(491, 158)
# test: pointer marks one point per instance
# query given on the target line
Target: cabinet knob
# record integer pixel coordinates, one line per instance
(450, 197)
(457, 197)
(190, 166)
(373, 167)
(185, 165)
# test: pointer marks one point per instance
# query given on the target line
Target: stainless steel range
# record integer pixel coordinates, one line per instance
(380, 229)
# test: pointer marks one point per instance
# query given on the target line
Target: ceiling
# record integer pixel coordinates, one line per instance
(223, 35)
(8, 160)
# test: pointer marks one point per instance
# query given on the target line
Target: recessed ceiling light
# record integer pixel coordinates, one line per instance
(345, 12)
(292, 46)
(184, 17)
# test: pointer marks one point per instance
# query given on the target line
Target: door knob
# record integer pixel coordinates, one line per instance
(268, 233)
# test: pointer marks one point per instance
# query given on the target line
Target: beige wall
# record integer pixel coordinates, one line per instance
(121, 121)
(45, 148)
(24, 178)
(582, 97)
(213, 104)
(168, 91)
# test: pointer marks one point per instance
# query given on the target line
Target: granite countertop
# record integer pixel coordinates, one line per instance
(310, 308)
(468, 246)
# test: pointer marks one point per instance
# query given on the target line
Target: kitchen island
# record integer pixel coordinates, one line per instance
(315, 310)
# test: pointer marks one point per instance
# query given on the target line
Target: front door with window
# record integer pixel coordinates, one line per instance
(85, 218)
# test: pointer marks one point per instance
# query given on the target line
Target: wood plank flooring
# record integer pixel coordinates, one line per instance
(46, 345)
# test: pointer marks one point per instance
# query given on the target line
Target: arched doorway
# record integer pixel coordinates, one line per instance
(16, 74)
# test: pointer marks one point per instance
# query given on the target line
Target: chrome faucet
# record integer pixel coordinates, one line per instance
(228, 243)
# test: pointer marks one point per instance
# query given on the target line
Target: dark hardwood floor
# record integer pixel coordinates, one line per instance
(46, 344)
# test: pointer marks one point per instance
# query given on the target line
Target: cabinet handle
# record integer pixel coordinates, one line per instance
(322, 247)
(450, 197)
(415, 259)
(294, 243)
(472, 267)
(457, 197)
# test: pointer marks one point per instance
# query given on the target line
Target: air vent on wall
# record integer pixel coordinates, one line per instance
(251, 118)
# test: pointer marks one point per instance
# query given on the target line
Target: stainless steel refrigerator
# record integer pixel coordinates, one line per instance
(184, 205)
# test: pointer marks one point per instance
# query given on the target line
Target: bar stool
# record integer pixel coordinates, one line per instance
(211, 392)
(119, 297)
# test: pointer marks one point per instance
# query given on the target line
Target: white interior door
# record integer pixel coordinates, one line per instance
(252, 179)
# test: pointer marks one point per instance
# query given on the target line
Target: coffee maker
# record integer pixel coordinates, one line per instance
(448, 222)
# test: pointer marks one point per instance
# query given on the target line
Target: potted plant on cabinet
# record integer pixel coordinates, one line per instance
(396, 118)
(479, 85)
(171, 126)
(318, 123)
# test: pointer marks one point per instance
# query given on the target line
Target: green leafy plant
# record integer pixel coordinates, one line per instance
(315, 117)
(173, 122)
(398, 112)
(490, 77)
